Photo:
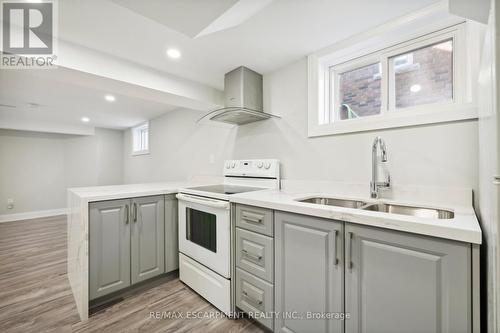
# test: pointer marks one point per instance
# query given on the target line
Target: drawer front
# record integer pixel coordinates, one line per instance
(255, 254)
(255, 219)
(254, 295)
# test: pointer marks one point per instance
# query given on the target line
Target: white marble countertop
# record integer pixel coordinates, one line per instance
(463, 227)
(100, 193)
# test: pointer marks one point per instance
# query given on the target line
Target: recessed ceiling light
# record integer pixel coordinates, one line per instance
(85, 119)
(415, 88)
(110, 98)
(174, 53)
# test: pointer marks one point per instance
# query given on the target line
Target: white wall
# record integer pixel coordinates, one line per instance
(36, 168)
(437, 155)
(179, 148)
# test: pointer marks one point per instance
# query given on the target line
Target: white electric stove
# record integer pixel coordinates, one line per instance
(205, 227)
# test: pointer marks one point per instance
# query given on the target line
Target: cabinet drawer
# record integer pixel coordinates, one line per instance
(254, 295)
(255, 219)
(255, 254)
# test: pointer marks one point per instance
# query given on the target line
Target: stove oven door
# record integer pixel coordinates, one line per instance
(204, 229)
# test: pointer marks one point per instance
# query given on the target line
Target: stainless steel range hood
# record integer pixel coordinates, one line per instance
(242, 99)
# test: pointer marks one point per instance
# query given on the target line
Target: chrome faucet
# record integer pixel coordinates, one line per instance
(375, 185)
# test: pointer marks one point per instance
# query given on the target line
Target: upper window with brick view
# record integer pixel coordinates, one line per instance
(359, 92)
(423, 76)
(398, 82)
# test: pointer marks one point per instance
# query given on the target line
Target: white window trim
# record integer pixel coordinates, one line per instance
(466, 40)
(133, 132)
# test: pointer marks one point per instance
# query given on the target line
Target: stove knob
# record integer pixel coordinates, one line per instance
(259, 165)
(233, 164)
(267, 165)
(228, 165)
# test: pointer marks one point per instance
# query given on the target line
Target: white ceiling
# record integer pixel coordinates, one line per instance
(127, 49)
(63, 102)
(278, 34)
(196, 18)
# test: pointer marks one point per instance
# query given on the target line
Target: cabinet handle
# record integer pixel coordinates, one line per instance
(251, 298)
(335, 258)
(126, 214)
(251, 255)
(349, 250)
(135, 212)
(251, 217)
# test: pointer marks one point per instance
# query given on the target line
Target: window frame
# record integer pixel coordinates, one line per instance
(136, 133)
(458, 88)
(337, 70)
(464, 64)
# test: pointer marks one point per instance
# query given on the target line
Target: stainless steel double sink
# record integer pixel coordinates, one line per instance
(389, 208)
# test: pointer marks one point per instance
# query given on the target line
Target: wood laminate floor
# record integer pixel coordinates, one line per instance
(35, 295)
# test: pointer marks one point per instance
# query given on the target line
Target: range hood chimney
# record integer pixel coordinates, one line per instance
(242, 98)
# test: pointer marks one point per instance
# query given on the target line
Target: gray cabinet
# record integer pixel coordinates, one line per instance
(255, 254)
(127, 242)
(109, 247)
(309, 273)
(254, 261)
(254, 295)
(147, 238)
(405, 283)
(255, 219)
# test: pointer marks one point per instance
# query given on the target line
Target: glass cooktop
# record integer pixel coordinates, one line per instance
(226, 189)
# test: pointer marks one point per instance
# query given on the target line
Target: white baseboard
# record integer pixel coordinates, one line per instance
(32, 215)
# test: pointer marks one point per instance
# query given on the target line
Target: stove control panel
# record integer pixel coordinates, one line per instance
(262, 168)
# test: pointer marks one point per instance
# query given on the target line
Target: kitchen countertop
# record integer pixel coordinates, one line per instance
(463, 227)
(100, 193)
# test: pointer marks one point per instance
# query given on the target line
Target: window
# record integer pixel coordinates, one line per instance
(140, 138)
(416, 81)
(359, 92)
(428, 80)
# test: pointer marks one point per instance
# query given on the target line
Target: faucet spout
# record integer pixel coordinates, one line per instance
(375, 185)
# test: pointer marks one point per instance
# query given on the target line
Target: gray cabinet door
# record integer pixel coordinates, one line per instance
(147, 238)
(404, 283)
(171, 234)
(109, 247)
(309, 273)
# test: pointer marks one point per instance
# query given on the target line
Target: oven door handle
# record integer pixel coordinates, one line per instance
(203, 201)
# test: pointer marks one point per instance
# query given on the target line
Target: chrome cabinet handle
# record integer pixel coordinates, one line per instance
(251, 217)
(251, 298)
(335, 258)
(135, 212)
(126, 214)
(251, 255)
(349, 250)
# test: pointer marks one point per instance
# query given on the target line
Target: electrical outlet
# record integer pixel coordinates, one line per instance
(10, 203)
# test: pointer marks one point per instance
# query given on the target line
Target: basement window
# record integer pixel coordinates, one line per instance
(140, 139)
(413, 81)
(358, 91)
